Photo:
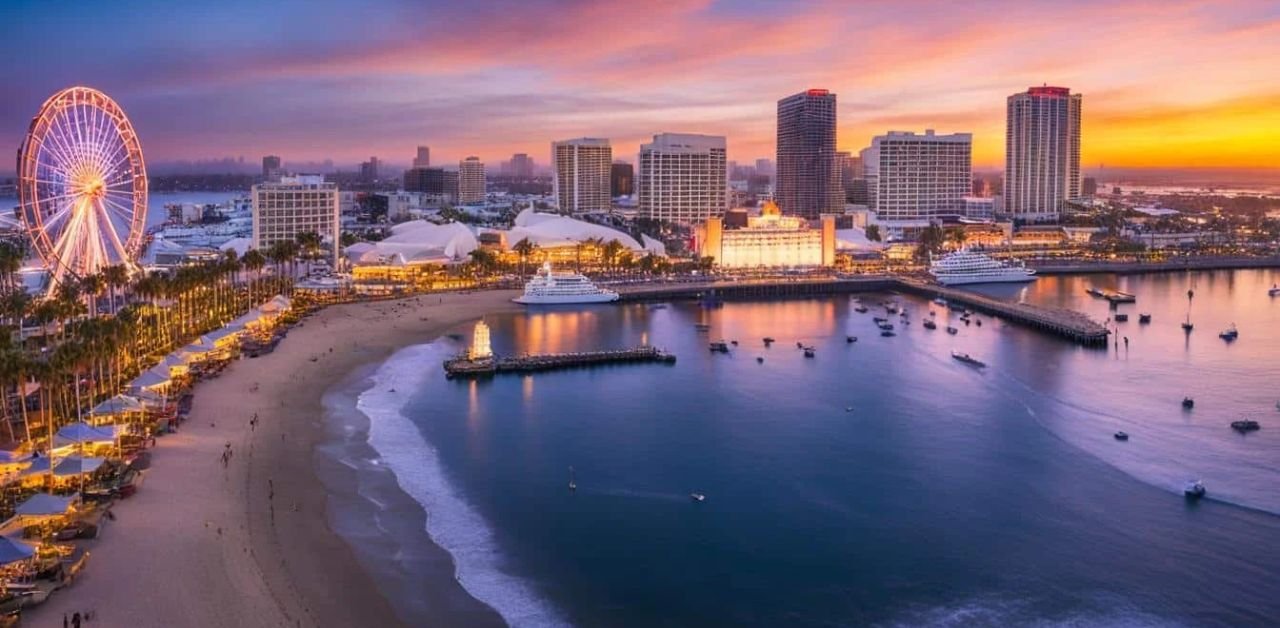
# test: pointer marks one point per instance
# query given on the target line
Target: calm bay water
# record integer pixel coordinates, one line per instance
(946, 495)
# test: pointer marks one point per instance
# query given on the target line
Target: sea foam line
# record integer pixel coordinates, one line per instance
(452, 523)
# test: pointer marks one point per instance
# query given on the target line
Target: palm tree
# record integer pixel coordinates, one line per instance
(612, 250)
(91, 286)
(117, 277)
(957, 237)
(524, 248)
(253, 260)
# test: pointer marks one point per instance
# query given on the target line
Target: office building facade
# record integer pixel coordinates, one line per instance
(471, 181)
(622, 179)
(582, 174)
(295, 205)
(423, 158)
(1042, 153)
(917, 179)
(807, 183)
(683, 178)
(272, 168)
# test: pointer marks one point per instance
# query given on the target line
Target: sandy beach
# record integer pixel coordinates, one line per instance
(253, 544)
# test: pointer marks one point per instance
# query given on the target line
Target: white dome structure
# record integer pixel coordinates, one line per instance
(417, 242)
(554, 230)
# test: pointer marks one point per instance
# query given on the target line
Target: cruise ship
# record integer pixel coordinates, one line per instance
(552, 288)
(966, 267)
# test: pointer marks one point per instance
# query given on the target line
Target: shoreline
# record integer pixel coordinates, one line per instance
(255, 544)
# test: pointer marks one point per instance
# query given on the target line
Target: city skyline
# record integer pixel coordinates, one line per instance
(1176, 84)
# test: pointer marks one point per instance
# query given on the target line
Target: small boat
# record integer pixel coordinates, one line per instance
(966, 320)
(719, 347)
(1188, 403)
(967, 359)
(1144, 318)
(733, 342)
(892, 309)
(1187, 326)
(759, 360)
(932, 313)
(573, 485)
(1274, 291)
(1194, 490)
(1245, 425)
(978, 322)
(952, 330)
(886, 326)
(808, 352)
(1095, 292)
(1122, 436)
(768, 340)
(799, 345)
(1229, 333)
(850, 339)
(940, 300)
(1122, 318)
(888, 333)
(848, 408)
(928, 324)
(877, 320)
(698, 497)
(861, 309)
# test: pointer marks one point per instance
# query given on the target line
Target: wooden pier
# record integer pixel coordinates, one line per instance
(1066, 323)
(465, 366)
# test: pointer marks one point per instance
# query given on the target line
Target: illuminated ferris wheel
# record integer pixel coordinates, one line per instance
(82, 185)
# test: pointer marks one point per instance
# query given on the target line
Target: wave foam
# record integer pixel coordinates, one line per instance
(452, 523)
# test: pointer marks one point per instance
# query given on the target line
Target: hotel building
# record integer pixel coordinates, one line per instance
(768, 240)
(683, 178)
(470, 181)
(808, 176)
(915, 179)
(582, 170)
(295, 205)
(1042, 153)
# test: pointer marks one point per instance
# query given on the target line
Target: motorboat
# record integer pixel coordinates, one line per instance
(1245, 425)
(799, 345)
(932, 314)
(768, 340)
(879, 319)
(1194, 490)
(850, 339)
(952, 330)
(573, 484)
(759, 360)
(719, 346)
(928, 324)
(698, 497)
(1144, 318)
(733, 342)
(1122, 318)
(886, 326)
(1230, 333)
(940, 300)
(888, 333)
(861, 309)
(1188, 403)
(967, 359)
(978, 322)
(808, 352)
(848, 408)
(1095, 292)
(1122, 436)
(1274, 291)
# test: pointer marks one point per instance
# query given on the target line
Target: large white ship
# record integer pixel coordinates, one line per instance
(966, 267)
(551, 288)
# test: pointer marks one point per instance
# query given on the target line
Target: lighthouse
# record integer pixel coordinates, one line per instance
(480, 349)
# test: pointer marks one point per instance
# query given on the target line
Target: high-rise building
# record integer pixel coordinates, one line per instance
(764, 167)
(582, 170)
(1089, 187)
(521, 166)
(622, 179)
(436, 181)
(369, 170)
(808, 179)
(470, 181)
(682, 178)
(918, 178)
(1042, 153)
(423, 159)
(294, 205)
(271, 168)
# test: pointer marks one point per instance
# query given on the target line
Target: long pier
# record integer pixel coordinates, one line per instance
(464, 366)
(1068, 324)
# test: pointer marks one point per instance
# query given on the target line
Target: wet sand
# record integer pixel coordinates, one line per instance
(253, 544)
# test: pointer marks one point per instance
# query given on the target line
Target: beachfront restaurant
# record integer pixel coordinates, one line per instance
(118, 409)
(66, 471)
(82, 438)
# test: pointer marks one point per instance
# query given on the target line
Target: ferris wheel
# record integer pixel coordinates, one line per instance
(82, 185)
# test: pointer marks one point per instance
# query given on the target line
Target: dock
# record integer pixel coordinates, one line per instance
(465, 366)
(1069, 324)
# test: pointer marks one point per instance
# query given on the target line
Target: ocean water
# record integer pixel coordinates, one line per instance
(878, 483)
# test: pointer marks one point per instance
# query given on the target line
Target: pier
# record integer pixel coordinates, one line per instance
(1068, 324)
(465, 366)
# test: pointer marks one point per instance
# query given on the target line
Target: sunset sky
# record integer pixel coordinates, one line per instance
(1166, 83)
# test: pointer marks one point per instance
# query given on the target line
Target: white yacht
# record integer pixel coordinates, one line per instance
(552, 288)
(965, 267)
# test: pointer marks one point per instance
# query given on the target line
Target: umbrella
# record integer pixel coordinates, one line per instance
(117, 405)
(12, 551)
(44, 505)
(74, 433)
(153, 377)
(68, 466)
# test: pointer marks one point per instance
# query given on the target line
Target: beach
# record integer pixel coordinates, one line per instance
(253, 543)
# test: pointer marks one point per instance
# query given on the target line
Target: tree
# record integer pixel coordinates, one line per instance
(524, 248)
(957, 237)
(612, 250)
(931, 238)
(873, 233)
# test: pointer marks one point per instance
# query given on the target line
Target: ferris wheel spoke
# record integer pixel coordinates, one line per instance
(113, 237)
